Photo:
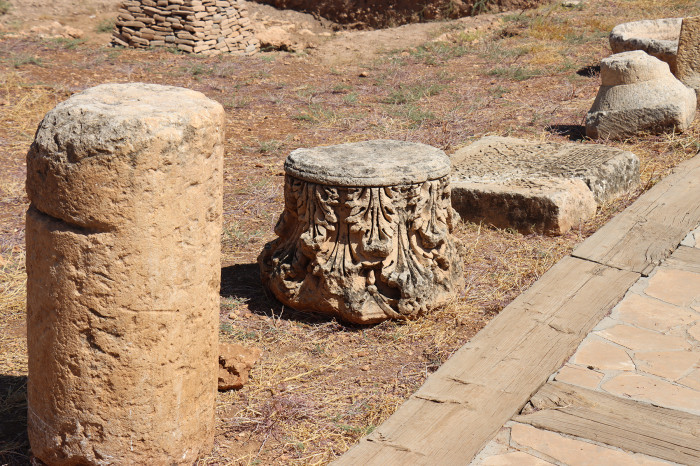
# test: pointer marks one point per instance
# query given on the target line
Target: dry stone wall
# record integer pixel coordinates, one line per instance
(207, 27)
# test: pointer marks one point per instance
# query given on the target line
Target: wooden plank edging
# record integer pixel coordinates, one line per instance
(631, 425)
(651, 228)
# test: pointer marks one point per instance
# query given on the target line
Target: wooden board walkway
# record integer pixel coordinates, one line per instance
(462, 405)
(650, 229)
(631, 425)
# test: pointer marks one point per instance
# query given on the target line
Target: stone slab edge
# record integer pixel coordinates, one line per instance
(468, 456)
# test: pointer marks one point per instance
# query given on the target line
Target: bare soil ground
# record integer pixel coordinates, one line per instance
(322, 384)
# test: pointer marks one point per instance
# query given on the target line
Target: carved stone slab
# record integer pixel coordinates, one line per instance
(535, 186)
(365, 232)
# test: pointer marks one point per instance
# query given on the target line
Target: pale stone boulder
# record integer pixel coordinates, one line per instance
(123, 271)
(688, 62)
(540, 187)
(638, 94)
(657, 37)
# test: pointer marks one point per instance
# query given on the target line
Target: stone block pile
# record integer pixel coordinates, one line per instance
(206, 27)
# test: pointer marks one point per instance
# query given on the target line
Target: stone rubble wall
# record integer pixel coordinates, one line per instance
(207, 27)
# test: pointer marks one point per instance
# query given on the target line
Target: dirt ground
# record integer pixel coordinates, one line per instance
(322, 384)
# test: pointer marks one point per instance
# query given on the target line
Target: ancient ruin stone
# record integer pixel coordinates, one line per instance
(123, 271)
(688, 63)
(365, 232)
(207, 27)
(536, 186)
(235, 363)
(638, 94)
(657, 37)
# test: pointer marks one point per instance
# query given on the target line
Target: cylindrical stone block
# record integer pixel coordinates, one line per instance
(123, 267)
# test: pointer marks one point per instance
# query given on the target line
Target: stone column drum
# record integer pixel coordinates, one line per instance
(365, 232)
(123, 266)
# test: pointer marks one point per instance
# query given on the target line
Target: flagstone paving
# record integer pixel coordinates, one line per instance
(646, 350)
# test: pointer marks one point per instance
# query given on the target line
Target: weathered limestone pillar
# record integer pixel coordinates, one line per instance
(689, 54)
(123, 265)
(365, 233)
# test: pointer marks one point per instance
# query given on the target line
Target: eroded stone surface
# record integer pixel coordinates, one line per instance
(601, 355)
(678, 287)
(235, 363)
(638, 339)
(123, 265)
(692, 380)
(580, 376)
(536, 186)
(638, 94)
(670, 365)
(653, 390)
(653, 314)
(365, 234)
(515, 458)
(688, 61)
(657, 37)
(574, 452)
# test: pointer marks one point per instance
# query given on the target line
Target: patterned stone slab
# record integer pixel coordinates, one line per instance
(537, 186)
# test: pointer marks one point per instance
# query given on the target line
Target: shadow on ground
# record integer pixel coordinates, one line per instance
(589, 71)
(14, 444)
(242, 281)
(573, 132)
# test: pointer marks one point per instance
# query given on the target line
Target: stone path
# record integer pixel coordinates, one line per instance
(597, 363)
(647, 350)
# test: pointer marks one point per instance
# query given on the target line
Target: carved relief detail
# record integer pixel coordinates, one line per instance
(365, 254)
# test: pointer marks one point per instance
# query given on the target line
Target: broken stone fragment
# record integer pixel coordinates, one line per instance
(638, 94)
(235, 363)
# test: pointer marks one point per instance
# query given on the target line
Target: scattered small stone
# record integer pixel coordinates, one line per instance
(638, 94)
(235, 363)
(571, 3)
(363, 74)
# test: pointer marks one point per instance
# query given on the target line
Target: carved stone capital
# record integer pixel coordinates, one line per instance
(360, 248)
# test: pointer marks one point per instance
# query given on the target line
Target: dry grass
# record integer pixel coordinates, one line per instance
(322, 384)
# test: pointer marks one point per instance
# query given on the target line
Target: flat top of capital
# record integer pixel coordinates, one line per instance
(368, 164)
